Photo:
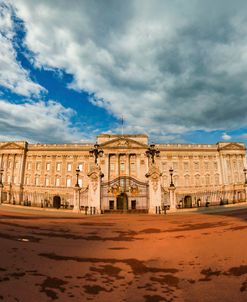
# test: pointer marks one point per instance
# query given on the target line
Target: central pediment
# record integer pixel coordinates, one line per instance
(233, 146)
(123, 142)
(12, 146)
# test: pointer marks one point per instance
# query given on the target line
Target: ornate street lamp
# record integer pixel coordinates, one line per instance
(96, 152)
(171, 173)
(152, 152)
(77, 177)
(1, 177)
(245, 172)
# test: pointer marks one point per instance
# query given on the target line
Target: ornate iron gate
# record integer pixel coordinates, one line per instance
(136, 193)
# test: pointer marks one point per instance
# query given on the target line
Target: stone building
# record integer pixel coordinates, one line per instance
(125, 177)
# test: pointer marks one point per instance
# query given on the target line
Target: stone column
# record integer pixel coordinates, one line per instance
(154, 179)
(95, 176)
(76, 199)
(172, 197)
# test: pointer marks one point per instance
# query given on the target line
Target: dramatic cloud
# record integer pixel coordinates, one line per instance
(12, 75)
(169, 66)
(38, 122)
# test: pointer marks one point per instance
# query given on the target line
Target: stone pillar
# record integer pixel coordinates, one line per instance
(95, 176)
(154, 179)
(172, 197)
(76, 199)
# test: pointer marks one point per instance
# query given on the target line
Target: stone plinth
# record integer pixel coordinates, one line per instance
(95, 176)
(76, 199)
(172, 197)
(154, 179)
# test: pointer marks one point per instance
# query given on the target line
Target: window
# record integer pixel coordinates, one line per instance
(165, 180)
(46, 181)
(217, 179)
(132, 167)
(215, 165)
(58, 167)
(68, 182)
(206, 166)
(69, 167)
(164, 166)
(36, 180)
(16, 165)
(122, 167)
(57, 181)
(186, 166)
(80, 166)
(176, 180)
(38, 166)
(186, 180)
(29, 166)
(196, 166)
(175, 166)
(112, 167)
(197, 177)
(27, 180)
(48, 167)
(207, 180)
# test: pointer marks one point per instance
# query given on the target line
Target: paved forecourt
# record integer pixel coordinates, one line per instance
(63, 256)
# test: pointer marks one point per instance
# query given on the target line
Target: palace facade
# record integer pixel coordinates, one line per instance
(118, 174)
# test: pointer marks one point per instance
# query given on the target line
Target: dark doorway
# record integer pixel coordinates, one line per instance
(56, 202)
(111, 204)
(133, 204)
(188, 201)
(122, 202)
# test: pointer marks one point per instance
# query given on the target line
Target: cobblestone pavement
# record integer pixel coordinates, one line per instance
(59, 256)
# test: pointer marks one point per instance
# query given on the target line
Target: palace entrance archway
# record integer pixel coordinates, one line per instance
(124, 193)
(56, 202)
(188, 201)
(122, 201)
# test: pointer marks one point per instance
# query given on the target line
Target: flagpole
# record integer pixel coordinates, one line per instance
(122, 125)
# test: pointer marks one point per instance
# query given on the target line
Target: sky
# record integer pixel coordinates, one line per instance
(175, 70)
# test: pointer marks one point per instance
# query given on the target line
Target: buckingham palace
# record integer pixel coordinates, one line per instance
(122, 173)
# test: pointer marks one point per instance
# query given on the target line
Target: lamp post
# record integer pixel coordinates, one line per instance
(77, 177)
(171, 174)
(96, 152)
(152, 152)
(1, 177)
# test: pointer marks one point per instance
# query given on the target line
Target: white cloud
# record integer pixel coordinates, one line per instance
(12, 75)
(167, 66)
(38, 122)
(226, 137)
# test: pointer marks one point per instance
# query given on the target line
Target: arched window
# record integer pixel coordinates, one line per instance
(186, 180)
(217, 179)
(197, 180)
(207, 179)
